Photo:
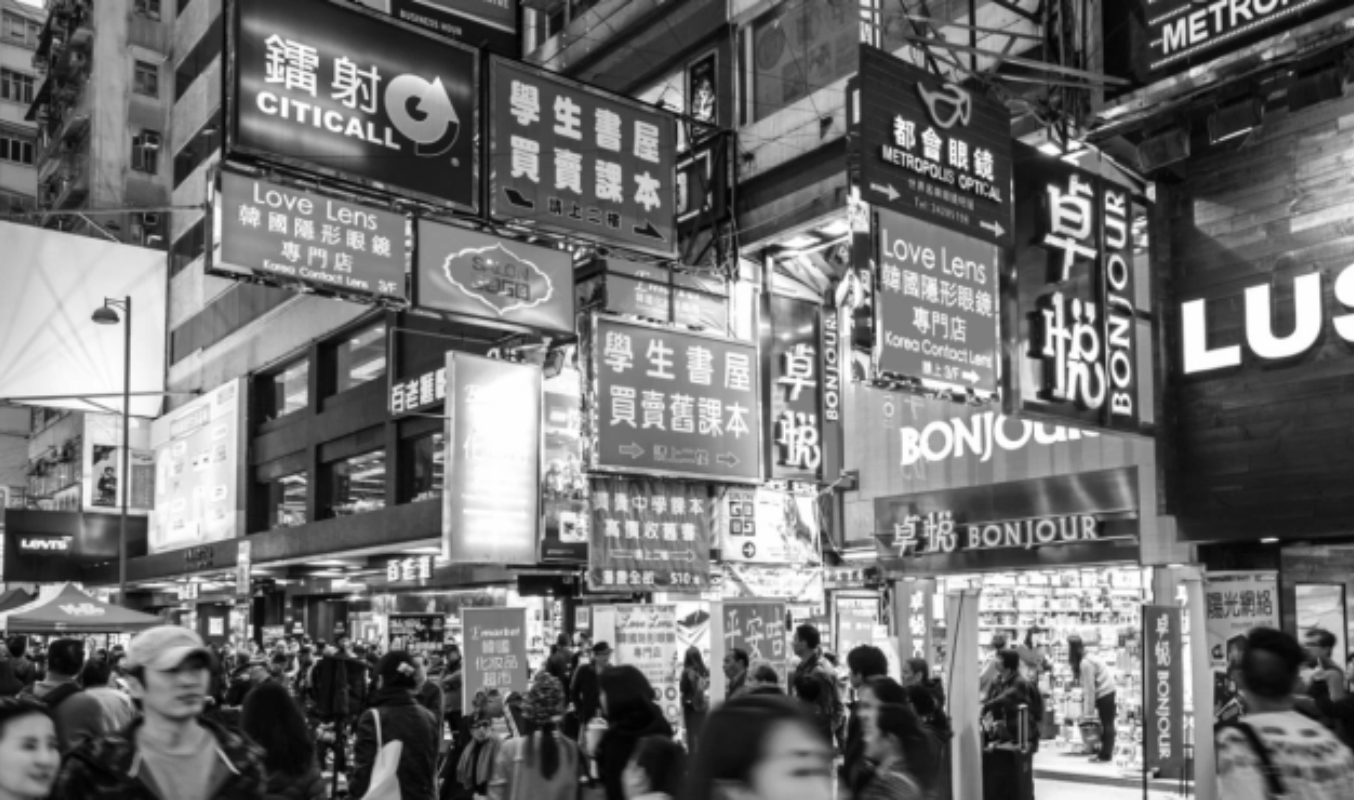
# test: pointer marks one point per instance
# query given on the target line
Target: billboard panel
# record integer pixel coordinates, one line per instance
(199, 449)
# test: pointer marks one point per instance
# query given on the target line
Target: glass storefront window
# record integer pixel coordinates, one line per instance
(357, 484)
(285, 391)
(361, 357)
(424, 466)
(286, 499)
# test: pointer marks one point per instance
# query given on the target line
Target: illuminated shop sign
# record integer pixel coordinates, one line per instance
(1183, 33)
(941, 532)
(44, 544)
(979, 436)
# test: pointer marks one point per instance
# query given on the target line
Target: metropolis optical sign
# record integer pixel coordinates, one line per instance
(579, 161)
(349, 93)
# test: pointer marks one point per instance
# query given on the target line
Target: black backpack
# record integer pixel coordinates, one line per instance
(10, 685)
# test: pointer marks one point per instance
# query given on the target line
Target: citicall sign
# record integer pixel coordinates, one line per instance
(979, 436)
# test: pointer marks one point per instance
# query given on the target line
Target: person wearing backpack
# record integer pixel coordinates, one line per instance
(78, 716)
(16, 671)
(695, 688)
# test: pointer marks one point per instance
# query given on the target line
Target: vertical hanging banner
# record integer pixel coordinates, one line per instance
(758, 628)
(830, 414)
(573, 159)
(495, 651)
(344, 91)
(646, 638)
(1163, 692)
(1074, 336)
(673, 403)
(794, 388)
(650, 536)
(491, 502)
(243, 565)
(564, 486)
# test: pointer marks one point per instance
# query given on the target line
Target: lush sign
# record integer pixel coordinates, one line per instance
(669, 402)
(340, 90)
(580, 161)
(650, 536)
(290, 236)
(931, 149)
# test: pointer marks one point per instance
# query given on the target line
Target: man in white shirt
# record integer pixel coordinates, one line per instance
(1289, 755)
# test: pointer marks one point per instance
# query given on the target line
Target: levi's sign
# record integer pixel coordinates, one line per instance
(343, 91)
(44, 544)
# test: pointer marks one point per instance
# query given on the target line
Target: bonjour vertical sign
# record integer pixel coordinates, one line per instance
(1163, 691)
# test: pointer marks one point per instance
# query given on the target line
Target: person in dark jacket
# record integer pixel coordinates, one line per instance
(627, 701)
(584, 693)
(273, 720)
(807, 647)
(23, 669)
(694, 687)
(560, 660)
(864, 662)
(402, 719)
(340, 681)
(429, 692)
(172, 751)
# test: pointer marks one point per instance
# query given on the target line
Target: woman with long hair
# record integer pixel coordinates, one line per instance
(761, 747)
(1097, 692)
(396, 716)
(627, 700)
(29, 753)
(274, 721)
(543, 764)
(695, 688)
(902, 754)
(656, 771)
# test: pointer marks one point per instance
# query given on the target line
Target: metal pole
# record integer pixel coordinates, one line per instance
(126, 481)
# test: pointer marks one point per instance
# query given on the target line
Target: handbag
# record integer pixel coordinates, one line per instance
(385, 784)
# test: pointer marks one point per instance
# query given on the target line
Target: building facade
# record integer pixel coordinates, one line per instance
(22, 28)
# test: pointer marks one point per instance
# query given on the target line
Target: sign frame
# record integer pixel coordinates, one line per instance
(592, 438)
(230, 106)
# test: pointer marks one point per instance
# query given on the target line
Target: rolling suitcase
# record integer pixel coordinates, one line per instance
(1008, 768)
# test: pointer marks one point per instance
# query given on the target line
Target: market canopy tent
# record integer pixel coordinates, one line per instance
(69, 610)
(15, 598)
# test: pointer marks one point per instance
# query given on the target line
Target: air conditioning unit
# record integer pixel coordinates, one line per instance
(150, 140)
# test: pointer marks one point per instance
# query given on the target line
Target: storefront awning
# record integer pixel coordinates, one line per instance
(69, 610)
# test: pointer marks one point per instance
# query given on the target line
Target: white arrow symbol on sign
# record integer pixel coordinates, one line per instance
(994, 226)
(971, 376)
(888, 190)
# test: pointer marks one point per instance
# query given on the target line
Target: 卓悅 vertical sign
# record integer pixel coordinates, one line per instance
(931, 149)
(646, 639)
(290, 236)
(936, 305)
(1074, 338)
(495, 651)
(794, 388)
(650, 536)
(673, 403)
(1163, 691)
(349, 93)
(579, 161)
(757, 627)
(491, 502)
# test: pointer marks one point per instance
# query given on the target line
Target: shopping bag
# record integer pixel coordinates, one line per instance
(1090, 734)
(385, 783)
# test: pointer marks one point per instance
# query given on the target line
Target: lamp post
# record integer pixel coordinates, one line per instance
(105, 315)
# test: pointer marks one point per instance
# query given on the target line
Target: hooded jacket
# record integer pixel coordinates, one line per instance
(403, 720)
(618, 744)
(111, 768)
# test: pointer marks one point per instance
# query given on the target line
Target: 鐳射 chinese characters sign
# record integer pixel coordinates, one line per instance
(344, 91)
(672, 403)
(290, 236)
(932, 150)
(579, 161)
(650, 536)
(936, 305)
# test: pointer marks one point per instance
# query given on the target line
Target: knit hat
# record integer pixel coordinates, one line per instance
(545, 700)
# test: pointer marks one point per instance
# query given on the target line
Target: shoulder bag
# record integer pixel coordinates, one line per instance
(385, 784)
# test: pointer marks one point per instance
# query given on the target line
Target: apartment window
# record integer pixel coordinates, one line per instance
(207, 49)
(16, 87)
(146, 79)
(423, 467)
(360, 357)
(15, 150)
(146, 152)
(357, 484)
(188, 247)
(206, 142)
(285, 391)
(150, 9)
(285, 500)
(184, 4)
(21, 31)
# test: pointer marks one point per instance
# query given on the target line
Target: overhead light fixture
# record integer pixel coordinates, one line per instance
(1316, 86)
(1269, 540)
(1163, 149)
(1235, 119)
(800, 242)
(837, 227)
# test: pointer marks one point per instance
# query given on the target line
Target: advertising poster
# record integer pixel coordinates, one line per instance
(650, 536)
(672, 403)
(243, 564)
(344, 91)
(290, 236)
(488, 24)
(937, 306)
(795, 584)
(1163, 691)
(102, 459)
(417, 633)
(769, 526)
(491, 502)
(646, 638)
(580, 161)
(758, 627)
(1234, 604)
(198, 449)
(702, 94)
(495, 650)
(474, 274)
(564, 489)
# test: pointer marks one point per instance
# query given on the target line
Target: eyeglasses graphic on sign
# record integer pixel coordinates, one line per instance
(950, 97)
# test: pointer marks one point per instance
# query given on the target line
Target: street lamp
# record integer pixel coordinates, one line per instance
(105, 315)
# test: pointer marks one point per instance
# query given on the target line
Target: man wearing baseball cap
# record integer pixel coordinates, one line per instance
(172, 753)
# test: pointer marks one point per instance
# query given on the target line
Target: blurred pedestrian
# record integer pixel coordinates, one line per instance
(761, 748)
(657, 770)
(807, 647)
(902, 755)
(937, 724)
(764, 680)
(29, 753)
(78, 716)
(274, 721)
(627, 700)
(736, 665)
(585, 692)
(561, 657)
(475, 768)
(400, 719)
(429, 693)
(118, 711)
(917, 672)
(17, 672)
(864, 662)
(694, 687)
(542, 764)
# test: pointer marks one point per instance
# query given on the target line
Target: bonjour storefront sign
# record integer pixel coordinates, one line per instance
(942, 532)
